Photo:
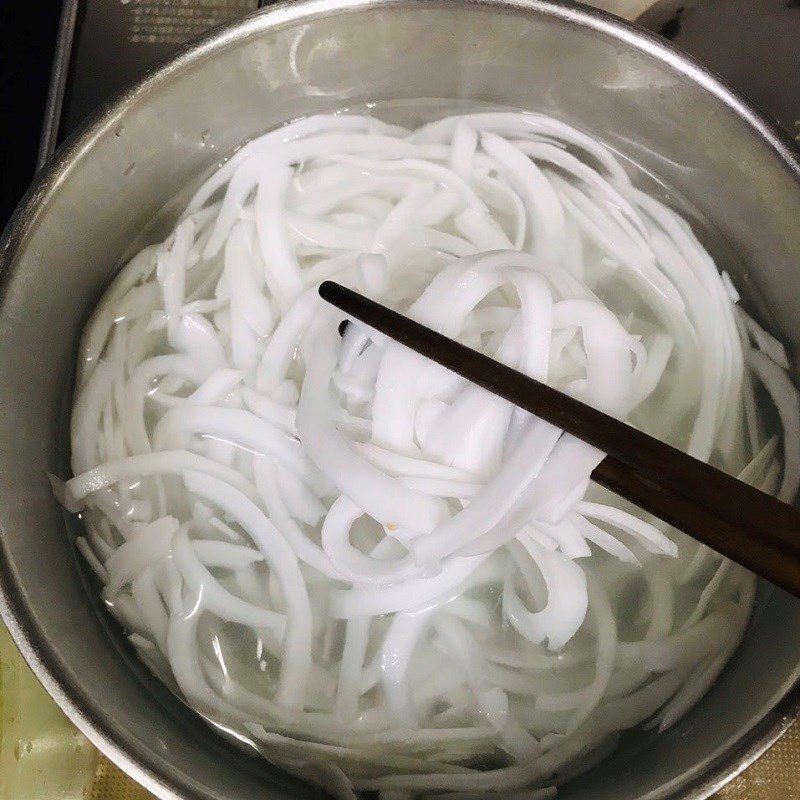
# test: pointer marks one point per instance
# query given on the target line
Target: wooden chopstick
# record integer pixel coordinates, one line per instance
(735, 519)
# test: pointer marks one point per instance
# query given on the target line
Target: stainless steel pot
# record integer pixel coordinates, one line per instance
(615, 81)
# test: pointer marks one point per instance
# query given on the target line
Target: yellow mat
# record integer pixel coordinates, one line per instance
(110, 783)
(42, 757)
(775, 776)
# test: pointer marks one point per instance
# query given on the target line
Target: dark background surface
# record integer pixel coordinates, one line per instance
(114, 43)
(27, 42)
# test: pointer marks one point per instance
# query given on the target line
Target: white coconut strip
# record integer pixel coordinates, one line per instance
(313, 447)
(380, 496)
(165, 462)
(297, 643)
(785, 397)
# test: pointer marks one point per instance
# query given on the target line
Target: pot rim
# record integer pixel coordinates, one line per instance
(13, 610)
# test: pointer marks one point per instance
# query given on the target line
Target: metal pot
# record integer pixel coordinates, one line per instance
(613, 80)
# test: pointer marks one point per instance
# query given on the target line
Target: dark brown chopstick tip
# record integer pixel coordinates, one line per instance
(327, 291)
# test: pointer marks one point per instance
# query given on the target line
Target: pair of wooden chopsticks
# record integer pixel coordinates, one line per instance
(735, 519)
